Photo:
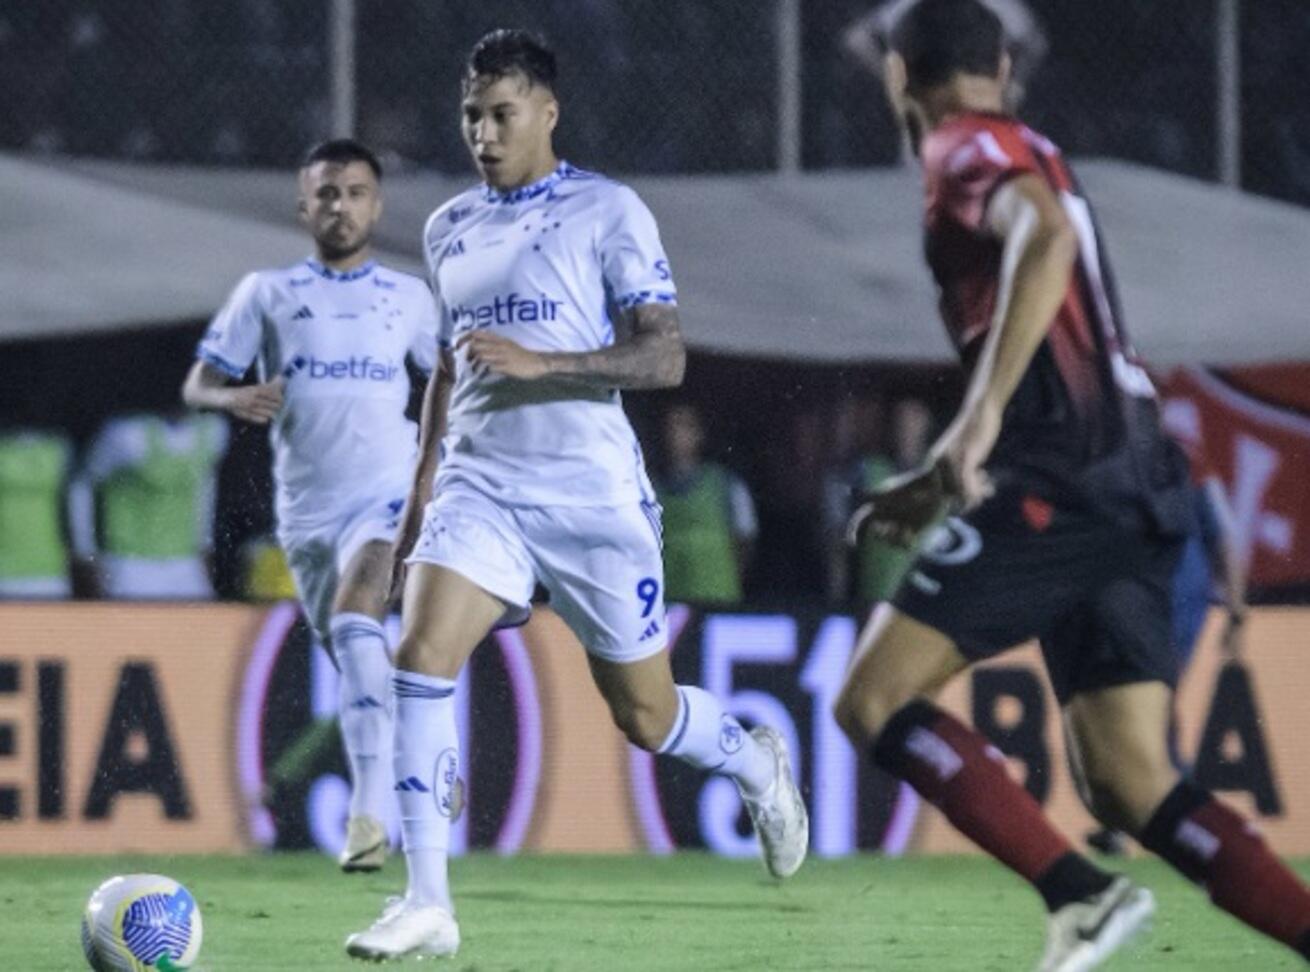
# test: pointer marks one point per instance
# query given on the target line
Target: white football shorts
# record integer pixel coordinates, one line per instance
(600, 564)
(318, 558)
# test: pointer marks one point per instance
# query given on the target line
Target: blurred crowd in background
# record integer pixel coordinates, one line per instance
(158, 507)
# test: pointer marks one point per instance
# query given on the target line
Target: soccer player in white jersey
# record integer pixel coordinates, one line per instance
(538, 477)
(330, 336)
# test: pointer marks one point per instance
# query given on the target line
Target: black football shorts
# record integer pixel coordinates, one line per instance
(1095, 594)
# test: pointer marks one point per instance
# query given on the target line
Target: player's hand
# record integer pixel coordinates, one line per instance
(256, 403)
(497, 355)
(901, 508)
(963, 449)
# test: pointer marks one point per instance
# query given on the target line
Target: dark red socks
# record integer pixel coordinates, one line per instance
(1223, 852)
(956, 770)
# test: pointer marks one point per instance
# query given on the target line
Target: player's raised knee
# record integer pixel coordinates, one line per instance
(861, 714)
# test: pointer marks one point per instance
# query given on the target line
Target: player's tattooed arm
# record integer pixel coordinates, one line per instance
(652, 356)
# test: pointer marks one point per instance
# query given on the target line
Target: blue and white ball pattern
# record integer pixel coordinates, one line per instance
(141, 923)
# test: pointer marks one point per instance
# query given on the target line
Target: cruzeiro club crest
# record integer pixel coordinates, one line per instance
(730, 735)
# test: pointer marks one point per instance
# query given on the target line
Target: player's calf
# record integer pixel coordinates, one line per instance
(645, 725)
(954, 768)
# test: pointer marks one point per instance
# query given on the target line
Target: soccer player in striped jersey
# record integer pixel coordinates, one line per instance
(329, 336)
(529, 472)
(1074, 505)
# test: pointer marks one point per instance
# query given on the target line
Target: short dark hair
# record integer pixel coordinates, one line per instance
(342, 151)
(941, 38)
(504, 51)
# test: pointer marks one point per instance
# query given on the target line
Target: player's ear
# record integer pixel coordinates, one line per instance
(552, 114)
(1004, 70)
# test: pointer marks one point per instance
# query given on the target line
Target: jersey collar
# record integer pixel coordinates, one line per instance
(327, 273)
(532, 190)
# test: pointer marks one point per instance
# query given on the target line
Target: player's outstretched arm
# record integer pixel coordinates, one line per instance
(1040, 245)
(207, 388)
(652, 356)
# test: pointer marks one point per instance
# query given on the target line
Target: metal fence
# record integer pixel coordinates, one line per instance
(1218, 89)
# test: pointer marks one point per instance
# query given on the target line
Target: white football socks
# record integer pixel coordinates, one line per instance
(709, 738)
(426, 765)
(360, 647)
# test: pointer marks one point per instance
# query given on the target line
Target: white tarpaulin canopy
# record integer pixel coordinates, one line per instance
(819, 267)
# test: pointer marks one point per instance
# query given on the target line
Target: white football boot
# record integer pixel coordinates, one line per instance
(407, 931)
(781, 821)
(1083, 934)
(366, 845)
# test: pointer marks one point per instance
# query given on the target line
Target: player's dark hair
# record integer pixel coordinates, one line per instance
(938, 39)
(342, 151)
(504, 52)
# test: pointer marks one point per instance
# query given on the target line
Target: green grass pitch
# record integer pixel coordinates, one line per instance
(569, 914)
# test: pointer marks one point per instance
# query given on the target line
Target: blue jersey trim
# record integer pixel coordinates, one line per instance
(221, 363)
(405, 688)
(327, 273)
(565, 170)
(646, 297)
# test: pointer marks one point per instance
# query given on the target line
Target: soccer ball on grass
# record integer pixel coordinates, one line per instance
(141, 923)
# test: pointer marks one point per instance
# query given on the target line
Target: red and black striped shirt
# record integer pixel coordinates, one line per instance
(1085, 401)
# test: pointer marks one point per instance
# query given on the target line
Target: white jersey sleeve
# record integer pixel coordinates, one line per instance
(435, 235)
(236, 331)
(423, 349)
(633, 261)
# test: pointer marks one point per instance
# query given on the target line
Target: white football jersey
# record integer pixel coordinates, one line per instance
(541, 265)
(340, 340)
